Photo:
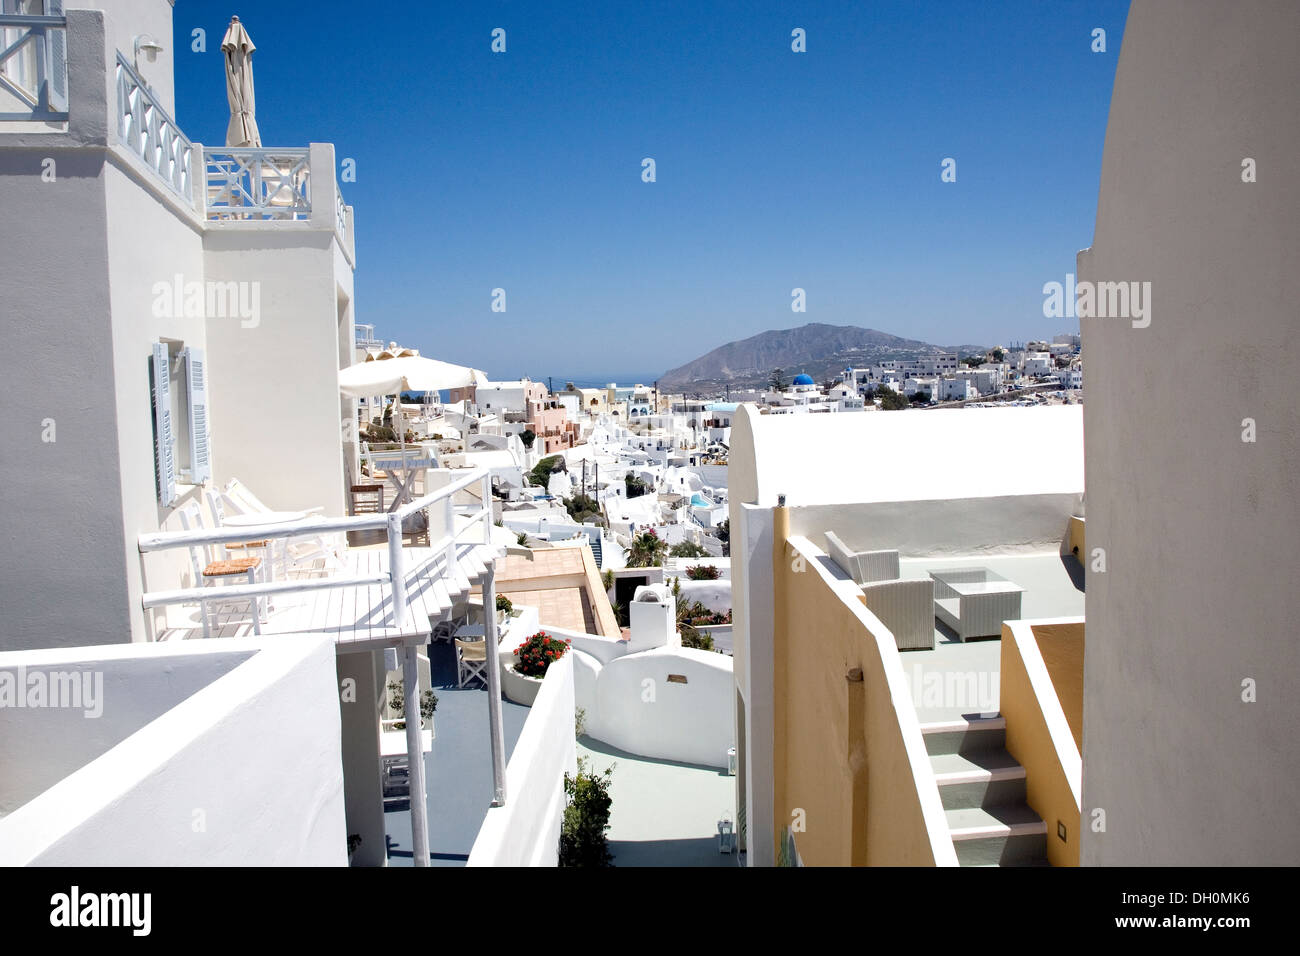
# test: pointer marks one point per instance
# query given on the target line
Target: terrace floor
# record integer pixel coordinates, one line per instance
(663, 813)
(957, 679)
(458, 768)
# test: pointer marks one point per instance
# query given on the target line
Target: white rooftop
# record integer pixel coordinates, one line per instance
(916, 455)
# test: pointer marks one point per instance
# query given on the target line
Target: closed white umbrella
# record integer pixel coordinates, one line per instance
(237, 46)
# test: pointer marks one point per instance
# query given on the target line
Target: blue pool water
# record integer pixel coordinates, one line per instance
(699, 500)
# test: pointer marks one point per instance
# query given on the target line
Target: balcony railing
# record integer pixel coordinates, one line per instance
(34, 67)
(392, 579)
(144, 127)
(251, 184)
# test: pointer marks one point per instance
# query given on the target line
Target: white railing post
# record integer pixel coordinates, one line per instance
(449, 516)
(487, 508)
(494, 687)
(397, 568)
(415, 755)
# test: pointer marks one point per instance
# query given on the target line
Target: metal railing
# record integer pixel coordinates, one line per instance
(394, 577)
(146, 129)
(251, 184)
(34, 66)
(341, 212)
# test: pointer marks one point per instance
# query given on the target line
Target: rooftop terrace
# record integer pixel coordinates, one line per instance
(969, 672)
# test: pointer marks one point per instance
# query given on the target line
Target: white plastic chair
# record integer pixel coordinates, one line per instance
(206, 569)
(299, 551)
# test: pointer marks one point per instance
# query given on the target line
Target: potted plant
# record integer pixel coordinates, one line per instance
(522, 678)
(397, 707)
(505, 608)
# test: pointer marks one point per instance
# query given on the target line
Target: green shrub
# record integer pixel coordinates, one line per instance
(541, 473)
(687, 549)
(504, 604)
(703, 572)
(586, 818)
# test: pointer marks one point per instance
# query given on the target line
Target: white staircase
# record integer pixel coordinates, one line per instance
(983, 792)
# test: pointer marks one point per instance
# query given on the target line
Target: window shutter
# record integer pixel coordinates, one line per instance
(164, 463)
(56, 52)
(195, 376)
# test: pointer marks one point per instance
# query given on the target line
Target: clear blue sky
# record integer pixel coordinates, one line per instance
(819, 170)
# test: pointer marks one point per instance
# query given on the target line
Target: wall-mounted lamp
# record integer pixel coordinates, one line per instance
(146, 44)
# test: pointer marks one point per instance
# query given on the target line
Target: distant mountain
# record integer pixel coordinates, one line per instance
(823, 351)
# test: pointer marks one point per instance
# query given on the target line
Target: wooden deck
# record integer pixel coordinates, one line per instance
(358, 618)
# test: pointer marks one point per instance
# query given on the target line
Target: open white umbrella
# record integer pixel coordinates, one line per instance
(406, 372)
(237, 46)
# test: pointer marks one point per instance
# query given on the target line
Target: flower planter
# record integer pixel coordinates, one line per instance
(537, 653)
(518, 687)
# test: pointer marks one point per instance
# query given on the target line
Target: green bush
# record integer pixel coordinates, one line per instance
(695, 639)
(581, 507)
(687, 549)
(504, 604)
(586, 818)
(634, 487)
(541, 473)
(891, 400)
(703, 572)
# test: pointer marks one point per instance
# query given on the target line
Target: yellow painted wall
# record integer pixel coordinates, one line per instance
(1030, 742)
(840, 755)
(1061, 646)
(1074, 538)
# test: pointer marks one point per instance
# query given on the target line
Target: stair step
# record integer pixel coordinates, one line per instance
(457, 582)
(441, 598)
(472, 567)
(999, 836)
(965, 735)
(983, 778)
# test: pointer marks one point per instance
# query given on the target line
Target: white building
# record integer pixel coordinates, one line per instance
(173, 323)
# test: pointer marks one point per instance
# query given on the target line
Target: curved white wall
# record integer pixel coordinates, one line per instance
(637, 709)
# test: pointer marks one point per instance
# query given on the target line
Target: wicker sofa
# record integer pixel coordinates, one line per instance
(906, 607)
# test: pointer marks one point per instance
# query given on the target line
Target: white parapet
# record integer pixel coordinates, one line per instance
(214, 753)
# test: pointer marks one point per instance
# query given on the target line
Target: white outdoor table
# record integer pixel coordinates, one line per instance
(392, 743)
(416, 462)
(975, 601)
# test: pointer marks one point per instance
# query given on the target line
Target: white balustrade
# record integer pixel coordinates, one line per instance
(144, 128)
(248, 183)
(34, 67)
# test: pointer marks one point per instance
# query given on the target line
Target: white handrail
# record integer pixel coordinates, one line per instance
(395, 576)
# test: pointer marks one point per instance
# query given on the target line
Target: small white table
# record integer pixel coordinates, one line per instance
(416, 462)
(975, 601)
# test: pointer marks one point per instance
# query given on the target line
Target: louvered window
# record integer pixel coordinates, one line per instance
(163, 437)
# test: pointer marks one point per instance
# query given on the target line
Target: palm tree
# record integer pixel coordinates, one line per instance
(647, 550)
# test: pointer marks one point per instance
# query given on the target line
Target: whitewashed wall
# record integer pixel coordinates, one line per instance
(200, 758)
(526, 831)
(636, 708)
